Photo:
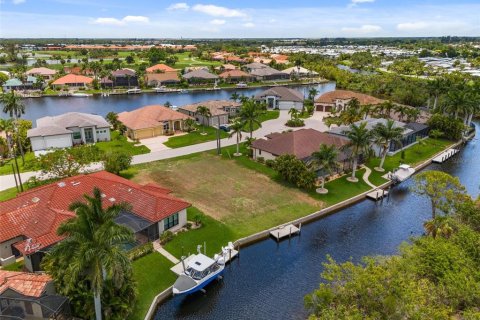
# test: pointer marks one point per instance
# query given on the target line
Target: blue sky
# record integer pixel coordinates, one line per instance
(246, 18)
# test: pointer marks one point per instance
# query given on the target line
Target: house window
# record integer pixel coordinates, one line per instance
(170, 222)
(166, 126)
(77, 135)
(259, 151)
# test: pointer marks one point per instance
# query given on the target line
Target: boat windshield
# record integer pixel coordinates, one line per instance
(199, 275)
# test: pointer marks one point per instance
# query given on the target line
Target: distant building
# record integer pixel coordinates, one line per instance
(160, 68)
(72, 81)
(282, 98)
(220, 110)
(125, 78)
(161, 78)
(200, 77)
(300, 72)
(263, 72)
(44, 73)
(152, 121)
(338, 100)
(234, 76)
(67, 130)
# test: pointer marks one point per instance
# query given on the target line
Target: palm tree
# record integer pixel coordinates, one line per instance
(438, 226)
(360, 142)
(93, 245)
(249, 113)
(325, 159)
(458, 101)
(235, 96)
(206, 114)
(293, 113)
(384, 135)
(6, 125)
(312, 93)
(236, 130)
(401, 110)
(13, 106)
(388, 106)
(436, 87)
(351, 115)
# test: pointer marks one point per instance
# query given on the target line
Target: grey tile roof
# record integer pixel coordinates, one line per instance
(202, 74)
(371, 123)
(73, 119)
(283, 94)
(47, 131)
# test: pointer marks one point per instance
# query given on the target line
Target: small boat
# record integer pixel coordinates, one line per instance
(163, 89)
(241, 85)
(401, 174)
(134, 91)
(199, 272)
(183, 91)
(80, 95)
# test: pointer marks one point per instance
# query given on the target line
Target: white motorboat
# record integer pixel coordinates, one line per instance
(80, 95)
(163, 89)
(241, 85)
(134, 91)
(402, 173)
(198, 272)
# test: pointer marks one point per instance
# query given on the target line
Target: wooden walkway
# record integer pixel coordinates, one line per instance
(445, 155)
(285, 231)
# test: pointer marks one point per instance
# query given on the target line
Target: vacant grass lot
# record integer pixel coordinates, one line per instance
(153, 275)
(414, 155)
(195, 137)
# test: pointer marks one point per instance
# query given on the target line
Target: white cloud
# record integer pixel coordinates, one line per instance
(249, 25)
(18, 1)
(365, 29)
(218, 22)
(178, 6)
(217, 11)
(121, 22)
(412, 26)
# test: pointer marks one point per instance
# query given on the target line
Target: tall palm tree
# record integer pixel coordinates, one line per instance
(6, 125)
(206, 114)
(458, 102)
(351, 115)
(13, 106)
(325, 159)
(312, 93)
(235, 96)
(384, 136)
(388, 106)
(294, 113)
(360, 144)
(249, 113)
(94, 245)
(436, 87)
(438, 226)
(236, 130)
(401, 110)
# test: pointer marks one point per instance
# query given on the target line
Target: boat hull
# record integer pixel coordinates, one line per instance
(200, 285)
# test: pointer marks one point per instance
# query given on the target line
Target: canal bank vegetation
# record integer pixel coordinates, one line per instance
(436, 276)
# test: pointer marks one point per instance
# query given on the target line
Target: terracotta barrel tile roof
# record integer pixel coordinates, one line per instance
(160, 68)
(216, 107)
(36, 214)
(27, 284)
(72, 78)
(149, 117)
(332, 96)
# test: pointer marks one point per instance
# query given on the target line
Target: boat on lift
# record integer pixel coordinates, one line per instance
(134, 91)
(198, 272)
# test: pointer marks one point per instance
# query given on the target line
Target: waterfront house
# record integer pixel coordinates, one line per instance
(412, 132)
(161, 78)
(226, 67)
(160, 68)
(67, 130)
(200, 77)
(282, 98)
(79, 70)
(12, 84)
(152, 121)
(263, 72)
(300, 143)
(72, 81)
(235, 76)
(25, 295)
(300, 72)
(337, 100)
(221, 111)
(44, 73)
(29, 222)
(125, 78)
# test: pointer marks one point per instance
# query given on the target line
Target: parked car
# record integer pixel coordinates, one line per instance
(224, 127)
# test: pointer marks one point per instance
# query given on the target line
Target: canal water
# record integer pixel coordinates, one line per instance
(269, 280)
(49, 106)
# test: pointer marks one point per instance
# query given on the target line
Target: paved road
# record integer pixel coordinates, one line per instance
(275, 125)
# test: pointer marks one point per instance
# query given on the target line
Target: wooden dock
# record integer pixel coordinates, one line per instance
(285, 231)
(445, 155)
(377, 194)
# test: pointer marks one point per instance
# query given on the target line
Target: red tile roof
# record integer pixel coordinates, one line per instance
(301, 143)
(160, 68)
(332, 96)
(72, 78)
(37, 213)
(27, 284)
(149, 117)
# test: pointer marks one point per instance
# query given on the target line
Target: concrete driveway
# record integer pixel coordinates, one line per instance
(155, 143)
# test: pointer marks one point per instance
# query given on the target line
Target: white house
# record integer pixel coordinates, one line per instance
(282, 98)
(67, 130)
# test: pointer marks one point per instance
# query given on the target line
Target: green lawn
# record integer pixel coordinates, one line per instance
(153, 275)
(185, 61)
(119, 143)
(195, 137)
(6, 168)
(17, 266)
(269, 115)
(414, 155)
(8, 194)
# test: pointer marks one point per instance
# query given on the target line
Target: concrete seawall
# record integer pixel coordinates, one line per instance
(303, 220)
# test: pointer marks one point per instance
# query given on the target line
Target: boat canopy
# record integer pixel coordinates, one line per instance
(200, 262)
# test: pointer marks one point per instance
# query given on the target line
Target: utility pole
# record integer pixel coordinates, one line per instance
(219, 151)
